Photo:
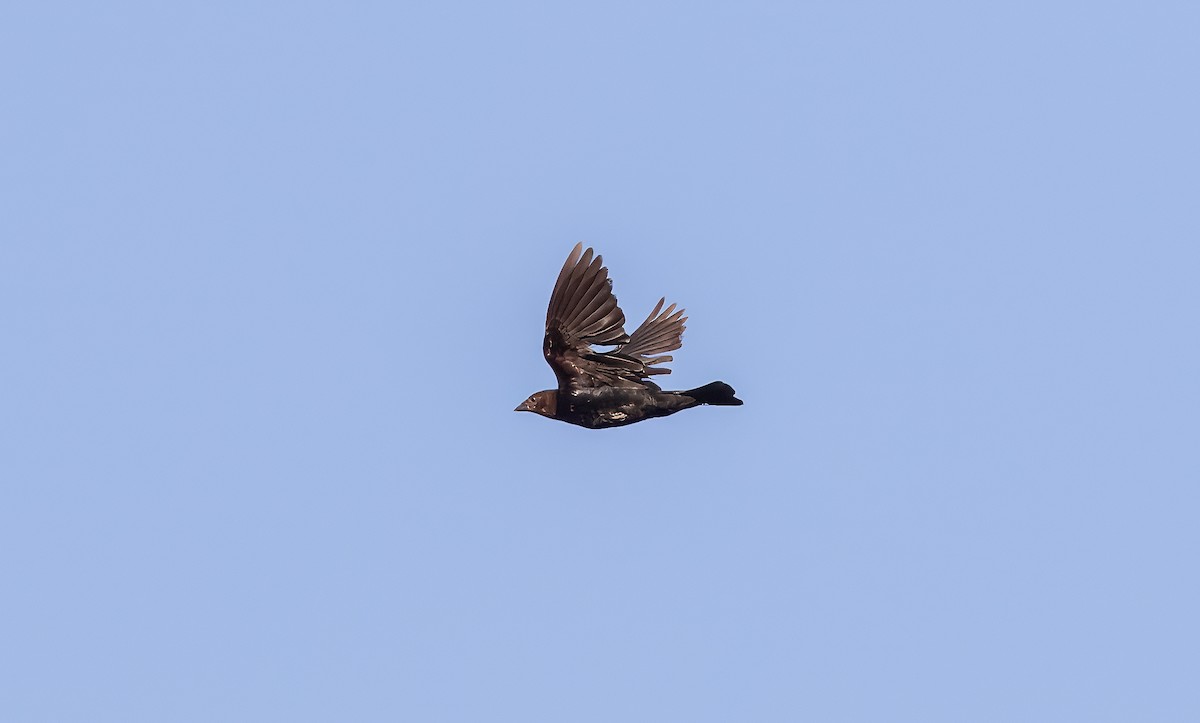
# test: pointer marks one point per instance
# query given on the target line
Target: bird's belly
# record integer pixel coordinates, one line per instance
(605, 407)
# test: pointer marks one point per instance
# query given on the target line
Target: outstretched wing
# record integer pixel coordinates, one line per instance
(583, 312)
(658, 334)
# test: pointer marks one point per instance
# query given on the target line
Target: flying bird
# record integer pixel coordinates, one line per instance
(599, 389)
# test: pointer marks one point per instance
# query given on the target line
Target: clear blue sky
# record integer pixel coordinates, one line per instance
(272, 279)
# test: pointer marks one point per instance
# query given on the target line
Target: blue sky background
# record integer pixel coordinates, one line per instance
(272, 279)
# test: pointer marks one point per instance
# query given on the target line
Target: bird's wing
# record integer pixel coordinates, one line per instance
(583, 312)
(659, 333)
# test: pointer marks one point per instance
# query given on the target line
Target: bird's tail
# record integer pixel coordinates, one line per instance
(718, 393)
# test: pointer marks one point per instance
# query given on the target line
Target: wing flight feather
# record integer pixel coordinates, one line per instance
(583, 312)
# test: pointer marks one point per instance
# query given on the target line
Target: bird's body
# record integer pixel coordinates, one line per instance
(609, 389)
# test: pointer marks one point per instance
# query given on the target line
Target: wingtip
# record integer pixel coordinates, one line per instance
(573, 257)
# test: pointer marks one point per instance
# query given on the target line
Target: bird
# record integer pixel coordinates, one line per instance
(603, 389)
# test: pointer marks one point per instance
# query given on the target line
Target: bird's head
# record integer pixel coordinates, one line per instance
(543, 403)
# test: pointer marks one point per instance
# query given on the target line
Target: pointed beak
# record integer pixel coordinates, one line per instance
(522, 407)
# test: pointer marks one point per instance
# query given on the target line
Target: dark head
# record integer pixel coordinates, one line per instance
(544, 403)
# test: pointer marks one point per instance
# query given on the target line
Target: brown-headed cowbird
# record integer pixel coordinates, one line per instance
(598, 389)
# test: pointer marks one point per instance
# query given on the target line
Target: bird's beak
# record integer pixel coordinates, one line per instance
(522, 407)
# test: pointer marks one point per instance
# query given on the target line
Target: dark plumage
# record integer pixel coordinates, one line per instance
(608, 389)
